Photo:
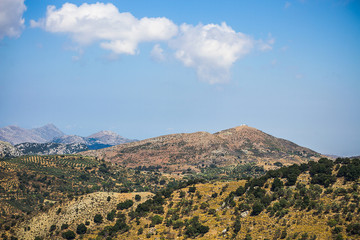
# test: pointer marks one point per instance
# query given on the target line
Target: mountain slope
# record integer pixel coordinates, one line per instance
(16, 135)
(50, 148)
(8, 150)
(194, 150)
(48, 132)
(98, 140)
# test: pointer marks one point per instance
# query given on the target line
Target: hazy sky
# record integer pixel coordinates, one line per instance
(146, 68)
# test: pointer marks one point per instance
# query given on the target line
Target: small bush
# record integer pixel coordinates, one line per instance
(81, 229)
(192, 189)
(69, 235)
(137, 197)
(125, 205)
(156, 220)
(52, 228)
(98, 218)
(64, 226)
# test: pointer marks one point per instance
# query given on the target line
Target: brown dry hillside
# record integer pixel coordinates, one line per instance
(74, 212)
(229, 147)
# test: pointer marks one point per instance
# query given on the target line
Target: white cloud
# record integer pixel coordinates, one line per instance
(118, 32)
(11, 20)
(211, 49)
(157, 53)
(287, 5)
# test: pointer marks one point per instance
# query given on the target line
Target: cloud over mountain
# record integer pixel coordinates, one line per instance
(11, 20)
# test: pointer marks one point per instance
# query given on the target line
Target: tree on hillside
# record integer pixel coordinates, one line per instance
(98, 218)
(81, 229)
(69, 235)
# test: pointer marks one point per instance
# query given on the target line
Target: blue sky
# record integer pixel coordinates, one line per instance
(288, 68)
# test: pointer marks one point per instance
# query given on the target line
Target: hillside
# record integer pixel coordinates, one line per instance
(179, 152)
(30, 185)
(49, 148)
(316, 200)
(98, 140)
(7, 150)
(74, 212)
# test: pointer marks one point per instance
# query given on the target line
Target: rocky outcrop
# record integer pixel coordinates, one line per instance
(50, 148)
(98, 140)
(7, 150)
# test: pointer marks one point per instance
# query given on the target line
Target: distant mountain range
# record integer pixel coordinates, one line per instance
(16, 135)
(98, 140)
(50, 140)
(233, 146)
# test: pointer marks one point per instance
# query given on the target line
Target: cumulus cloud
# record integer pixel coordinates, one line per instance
(11, 20)
(157, 53)
(118, 32)
(211, 49)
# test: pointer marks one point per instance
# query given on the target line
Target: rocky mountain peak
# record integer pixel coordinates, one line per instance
(104, 133)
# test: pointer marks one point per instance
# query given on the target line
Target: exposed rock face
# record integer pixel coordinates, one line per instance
(67, 139)
(48, 132)
(50, 148)
(7, 150)
(98, 140)
(108, 138)
(227, 147)
(16, 135)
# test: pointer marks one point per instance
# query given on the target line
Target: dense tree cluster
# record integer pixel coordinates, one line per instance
(125, 205)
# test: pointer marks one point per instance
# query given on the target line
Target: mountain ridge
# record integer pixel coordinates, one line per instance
(232, 146)
(49, 133)
(15, 135)
(94, 141)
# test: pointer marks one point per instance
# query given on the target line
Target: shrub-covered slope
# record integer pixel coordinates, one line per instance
(318, 200)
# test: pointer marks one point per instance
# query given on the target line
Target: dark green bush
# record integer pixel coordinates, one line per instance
(125, 205)
(69, 235)
(98, 218)
(81, 229)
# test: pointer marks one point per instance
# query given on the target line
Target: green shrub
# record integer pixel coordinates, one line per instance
(111, 215)
(194, 228)
(192, 189)
(156, 219)
(81, 229)
(257, 208)
(69, 235)
(353, 229)
(237, 225)
(137, 197)
(98, 218)
(64, 226)
(125, 205)
(52, 228)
